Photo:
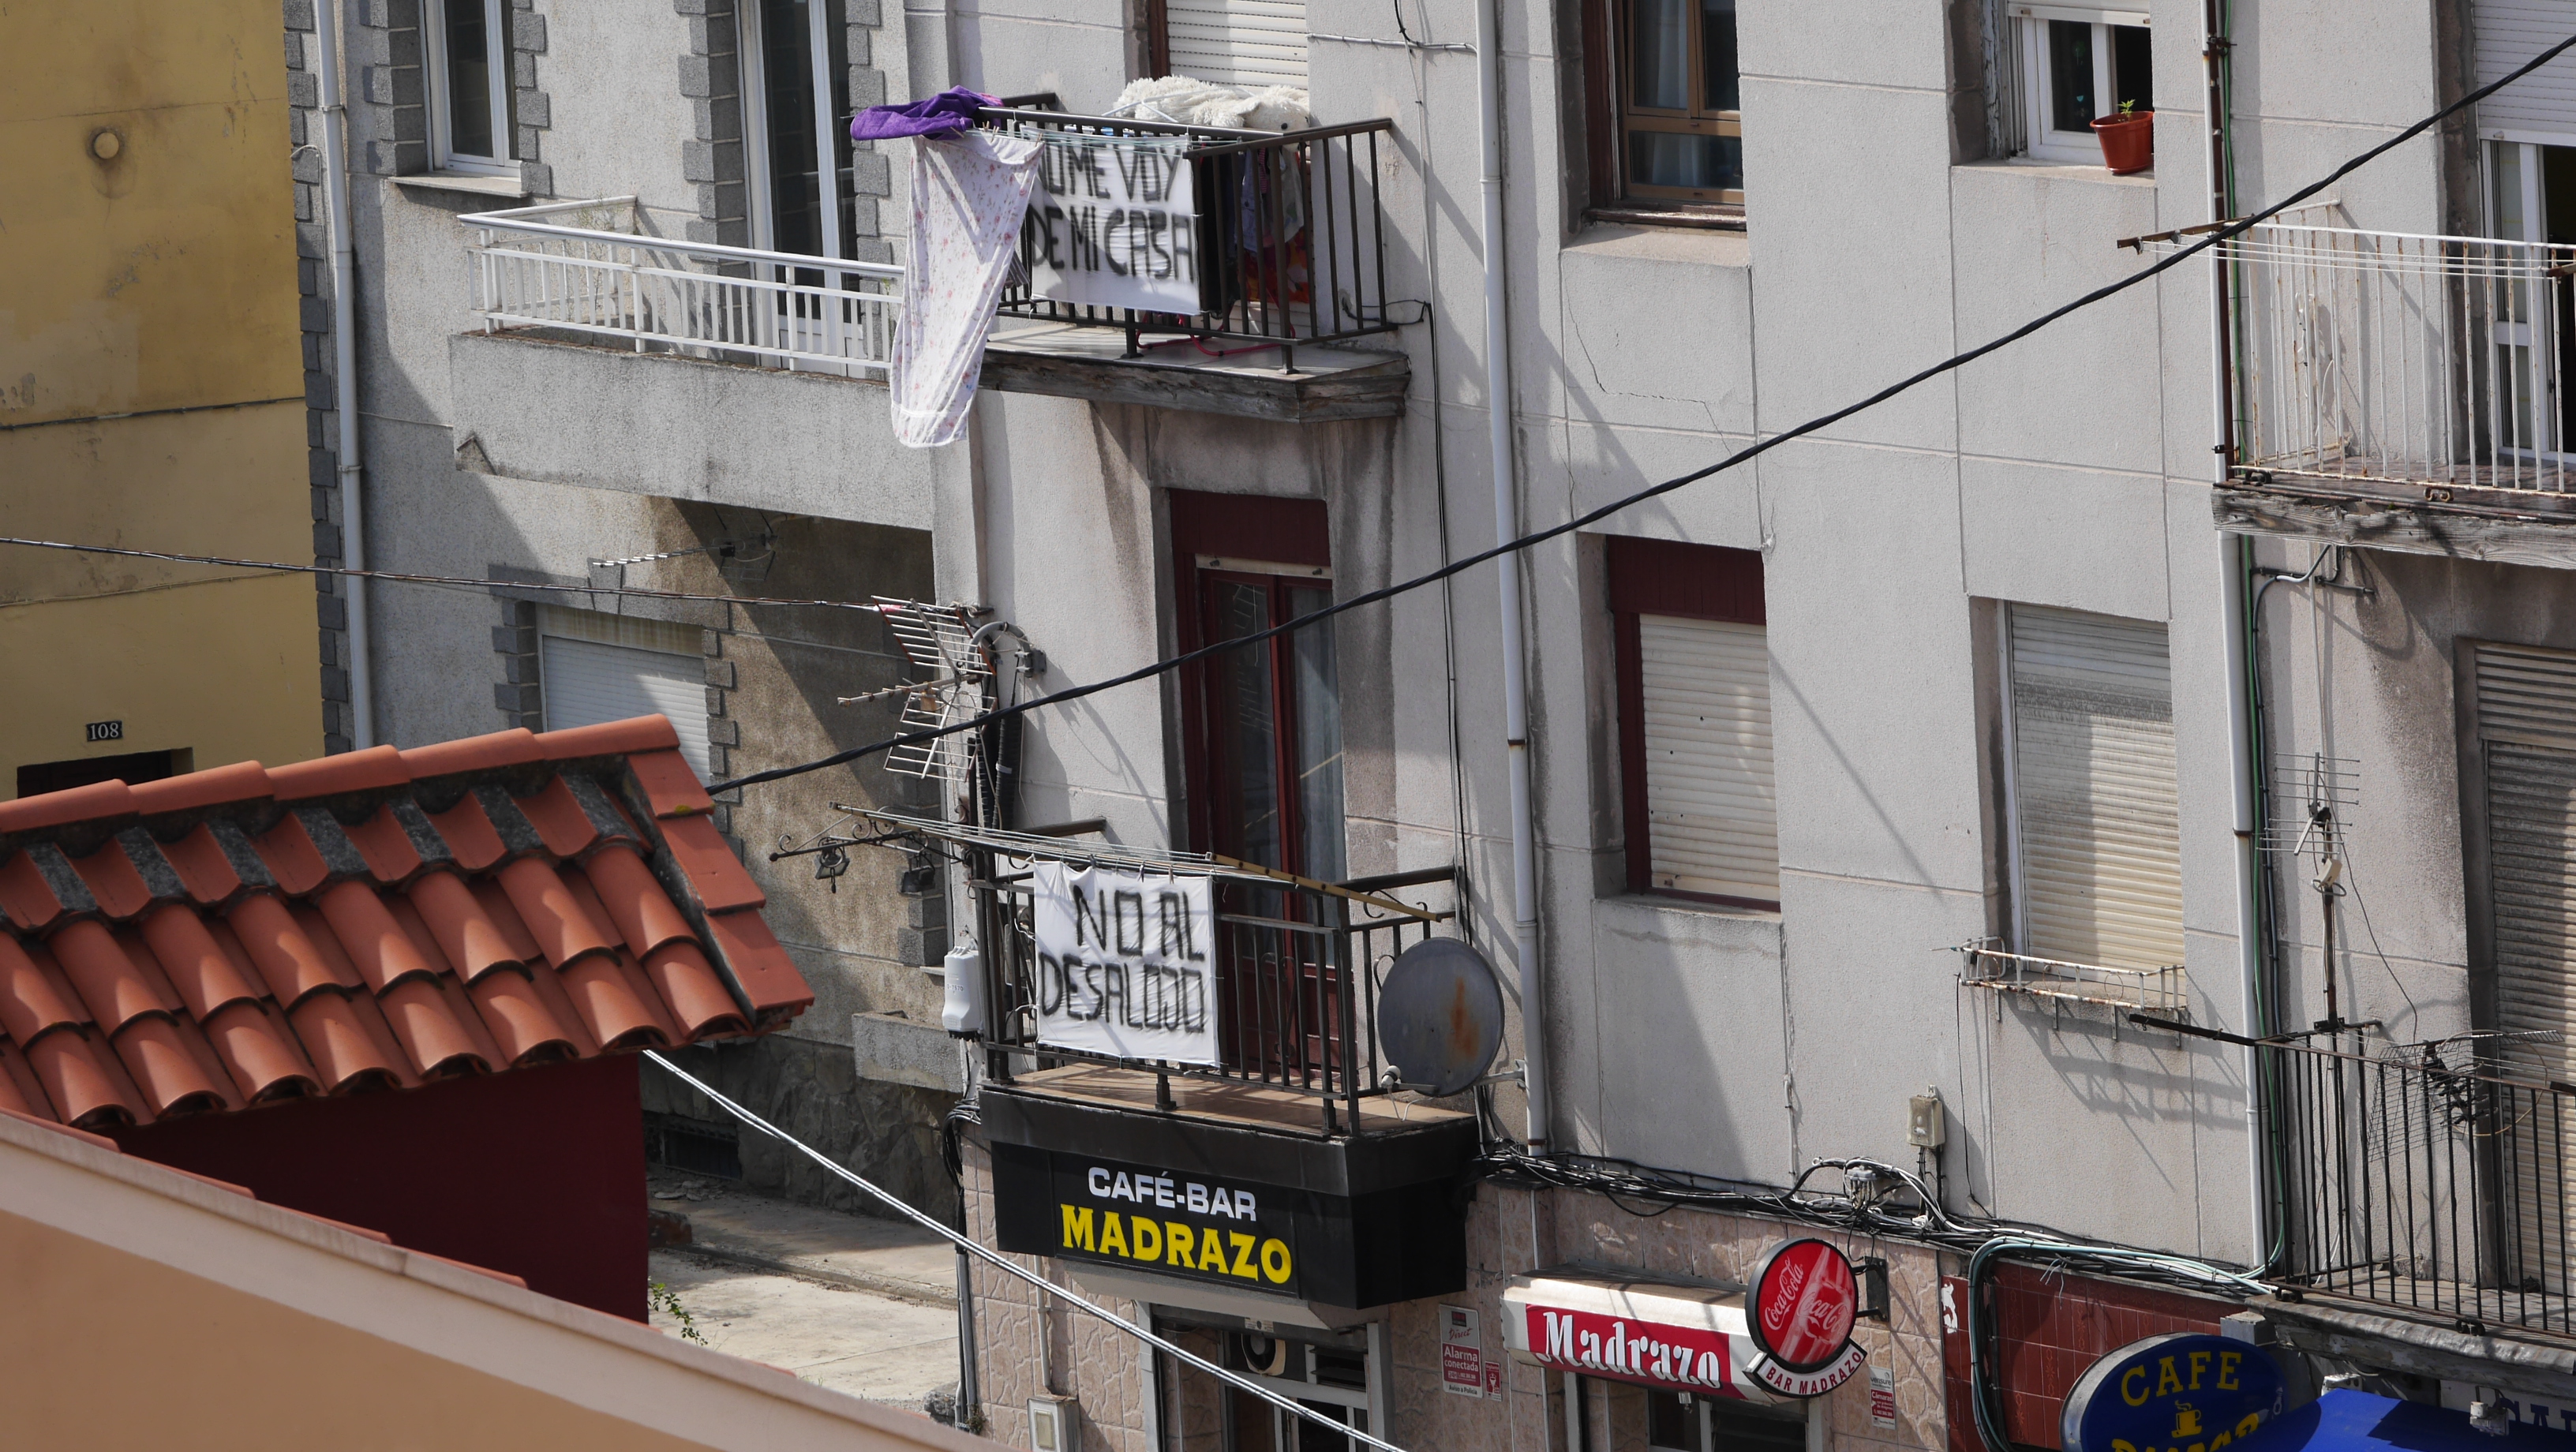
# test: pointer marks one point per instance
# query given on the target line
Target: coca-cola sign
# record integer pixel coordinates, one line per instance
(1805, 1301)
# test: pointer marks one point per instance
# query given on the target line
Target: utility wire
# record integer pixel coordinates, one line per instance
(397, 577)
(2222, 234)
(1004, 1264)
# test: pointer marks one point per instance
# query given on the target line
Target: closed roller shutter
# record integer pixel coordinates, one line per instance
(2527, 735)
(1237, 42)
(2510, 33)
(597, 668)
(1711, 824)
(2094, 790)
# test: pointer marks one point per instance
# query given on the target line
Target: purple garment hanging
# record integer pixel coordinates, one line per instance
(951, 110)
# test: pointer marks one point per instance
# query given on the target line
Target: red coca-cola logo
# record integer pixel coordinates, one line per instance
(1805, 1300)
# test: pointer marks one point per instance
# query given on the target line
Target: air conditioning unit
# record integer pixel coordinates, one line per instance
(1054, 1426)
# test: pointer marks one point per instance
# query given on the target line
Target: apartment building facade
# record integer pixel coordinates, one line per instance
(1938, 824)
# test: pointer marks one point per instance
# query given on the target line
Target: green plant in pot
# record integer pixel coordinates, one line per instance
(2128, 139)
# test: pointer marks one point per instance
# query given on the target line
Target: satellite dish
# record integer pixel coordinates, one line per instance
(1440, 1016)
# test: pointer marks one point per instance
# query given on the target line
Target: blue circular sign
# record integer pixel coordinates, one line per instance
(2186, 1391)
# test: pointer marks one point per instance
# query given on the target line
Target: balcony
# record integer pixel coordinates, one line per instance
(2403, 392)
(1300, 1119)
(1286, 244)
(610, 358)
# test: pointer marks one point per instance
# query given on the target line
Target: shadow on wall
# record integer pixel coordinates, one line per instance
(887, 1132)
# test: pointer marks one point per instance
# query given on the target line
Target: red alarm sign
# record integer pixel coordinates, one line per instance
(1805, 1301)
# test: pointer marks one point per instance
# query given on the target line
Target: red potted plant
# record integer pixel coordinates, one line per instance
(2128, 139)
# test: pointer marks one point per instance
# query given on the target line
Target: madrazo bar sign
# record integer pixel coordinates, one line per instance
(1146, 1218)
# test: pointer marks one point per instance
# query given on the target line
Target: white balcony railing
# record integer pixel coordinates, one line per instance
(586, 268)
(2392, 359)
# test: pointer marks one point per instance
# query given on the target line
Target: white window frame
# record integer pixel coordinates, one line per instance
(2042, 141)
(500, 65)
(755, 124)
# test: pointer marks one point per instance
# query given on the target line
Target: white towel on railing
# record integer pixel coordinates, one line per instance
(969, 192)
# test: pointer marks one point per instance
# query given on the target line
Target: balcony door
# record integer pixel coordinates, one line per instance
(796, 119)
(2531, 203)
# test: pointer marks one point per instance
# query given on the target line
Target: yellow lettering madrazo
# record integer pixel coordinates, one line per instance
(1242, 1244)
(1177, 1239)
(1077, 1227)
(1276, 1267)
(1149, 1238)
(1113, 1234)
(1212, 1252)
(2169, 1384)
(2136, 1398)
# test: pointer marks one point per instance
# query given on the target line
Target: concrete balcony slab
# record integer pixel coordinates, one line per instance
(1063, 361)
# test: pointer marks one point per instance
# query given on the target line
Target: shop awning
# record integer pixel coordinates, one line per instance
(1657, 1333)
(2354, 1421)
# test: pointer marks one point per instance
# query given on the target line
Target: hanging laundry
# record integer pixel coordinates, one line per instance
(969, 192)
(951, 110)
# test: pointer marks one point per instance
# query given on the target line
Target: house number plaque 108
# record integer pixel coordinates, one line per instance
(105, 730)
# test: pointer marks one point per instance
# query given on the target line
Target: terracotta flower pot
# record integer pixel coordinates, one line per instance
(2128, 142)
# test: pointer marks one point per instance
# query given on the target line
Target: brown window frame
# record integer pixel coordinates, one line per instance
(1694, 582)
(1608, 33)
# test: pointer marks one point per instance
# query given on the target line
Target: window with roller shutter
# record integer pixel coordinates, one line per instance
(1695, 721)
(2097, 840)
(596, 667)
(1234, 42)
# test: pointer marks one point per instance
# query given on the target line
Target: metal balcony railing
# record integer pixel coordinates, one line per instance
(2434, 1183)
(2382, 358)
(1290, 244)
(586, 271)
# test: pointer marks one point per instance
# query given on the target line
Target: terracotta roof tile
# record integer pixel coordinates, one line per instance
(628, 738)
(243, 781)
(376, 769)
(627, 895)
(669, 785)
(762, 972)
(201, 950)
(115, 990)
(717, 879)
(112, 881)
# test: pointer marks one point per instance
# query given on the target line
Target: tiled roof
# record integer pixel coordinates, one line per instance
(372, 920)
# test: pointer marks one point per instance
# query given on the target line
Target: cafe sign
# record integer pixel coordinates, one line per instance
(2186, 1391)
(1225, 1232)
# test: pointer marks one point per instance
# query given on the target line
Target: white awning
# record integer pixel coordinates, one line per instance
(1656, 1333)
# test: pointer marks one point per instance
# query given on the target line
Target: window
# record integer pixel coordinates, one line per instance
(797, 96)
(1681, 1422)
(1695, 721)
(469, 85)
(1232, 42)
(1666, 128)
(1332, 1380)
(1262, 725)
(2076, 66)
(595, 667)
(130, 768)
(2096, 837)
(2532, 199)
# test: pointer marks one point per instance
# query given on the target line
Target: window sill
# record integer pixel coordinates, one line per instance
(1705, 246)
(460, 181)
(1650, 214)
(2060, 170)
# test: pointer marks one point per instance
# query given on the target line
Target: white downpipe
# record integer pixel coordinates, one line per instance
(344, 365)
(1507, 527)
(2240, 707)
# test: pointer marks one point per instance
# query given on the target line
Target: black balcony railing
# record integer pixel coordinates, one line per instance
(2433, 1182)
(1290, 244)
(1298, 968)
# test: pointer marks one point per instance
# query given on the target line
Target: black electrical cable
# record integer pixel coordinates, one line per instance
(2221, 234)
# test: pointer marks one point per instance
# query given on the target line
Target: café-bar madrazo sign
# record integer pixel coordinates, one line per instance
(1113, 223)
(1786, 1339)
(1125, 963)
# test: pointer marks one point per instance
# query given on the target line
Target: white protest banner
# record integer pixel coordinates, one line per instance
(1114, 224)
(1125, 963)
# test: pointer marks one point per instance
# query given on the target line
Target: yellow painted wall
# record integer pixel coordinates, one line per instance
(151, 385)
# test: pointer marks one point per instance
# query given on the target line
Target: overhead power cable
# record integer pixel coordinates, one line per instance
(1955, 361)
(460, 581)
(1004, 1264)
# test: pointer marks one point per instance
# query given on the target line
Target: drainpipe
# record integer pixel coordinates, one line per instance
(344, 363)
(1507, 527)
(2243, 759)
